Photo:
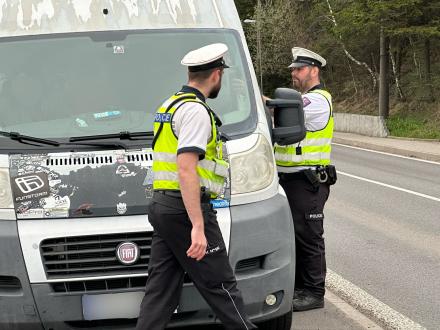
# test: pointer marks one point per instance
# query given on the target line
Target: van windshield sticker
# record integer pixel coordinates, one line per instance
(118, 49)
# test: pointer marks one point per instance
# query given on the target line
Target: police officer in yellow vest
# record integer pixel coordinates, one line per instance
(305, 174)
(188, 172)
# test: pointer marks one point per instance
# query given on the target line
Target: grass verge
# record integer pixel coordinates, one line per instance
(413, 127)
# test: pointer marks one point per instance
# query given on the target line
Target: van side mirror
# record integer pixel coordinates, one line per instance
(289, 124)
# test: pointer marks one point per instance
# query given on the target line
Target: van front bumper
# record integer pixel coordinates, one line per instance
(261, 251)
(17, 307)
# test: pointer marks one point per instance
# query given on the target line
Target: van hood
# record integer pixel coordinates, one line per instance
(81, 184)
(32, 17)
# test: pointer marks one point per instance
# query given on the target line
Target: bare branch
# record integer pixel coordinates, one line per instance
(395, 73)
(333, 19)
(416, 62)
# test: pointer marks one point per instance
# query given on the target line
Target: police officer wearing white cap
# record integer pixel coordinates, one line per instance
(305, 174)
(189, 171)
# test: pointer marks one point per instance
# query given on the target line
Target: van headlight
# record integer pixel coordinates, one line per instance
(253, 169)
(5, 190)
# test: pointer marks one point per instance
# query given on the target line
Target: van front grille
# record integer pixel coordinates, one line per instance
(100, 285)
(94, 255)
(96, 286)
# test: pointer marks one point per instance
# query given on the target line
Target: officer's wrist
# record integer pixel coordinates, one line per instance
(198, 225)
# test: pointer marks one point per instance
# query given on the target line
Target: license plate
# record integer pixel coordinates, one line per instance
(112, 306)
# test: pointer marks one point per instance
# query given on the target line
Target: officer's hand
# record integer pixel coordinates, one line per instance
(197, 249)
(265, 99)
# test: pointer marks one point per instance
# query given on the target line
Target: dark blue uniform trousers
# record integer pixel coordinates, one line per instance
(212, 276)
(307, 207)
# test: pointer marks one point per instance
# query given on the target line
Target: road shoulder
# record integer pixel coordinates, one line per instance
(337, 314)
(422, 149)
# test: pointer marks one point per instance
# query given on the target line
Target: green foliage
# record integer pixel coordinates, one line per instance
(398, 17)
(245, 8)
(273, 28)
(351, 45)
(416, 31)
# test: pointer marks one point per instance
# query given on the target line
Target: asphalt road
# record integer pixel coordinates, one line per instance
(382, 230)
(384, 240)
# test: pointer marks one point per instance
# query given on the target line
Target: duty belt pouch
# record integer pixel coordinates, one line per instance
(331, 172)
(312, 178)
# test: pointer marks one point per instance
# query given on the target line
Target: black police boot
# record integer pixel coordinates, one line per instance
(307, 302)
(299, 292)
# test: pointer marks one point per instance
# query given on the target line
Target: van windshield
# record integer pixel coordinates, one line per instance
(58, 86)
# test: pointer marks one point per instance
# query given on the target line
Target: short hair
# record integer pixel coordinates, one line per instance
(201, 76)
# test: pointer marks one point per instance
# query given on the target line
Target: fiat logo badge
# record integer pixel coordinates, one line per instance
(127, 253)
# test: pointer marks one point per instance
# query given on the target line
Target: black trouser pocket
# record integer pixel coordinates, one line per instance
(213, 234)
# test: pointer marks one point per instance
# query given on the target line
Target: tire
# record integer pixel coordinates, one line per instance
(283, 322)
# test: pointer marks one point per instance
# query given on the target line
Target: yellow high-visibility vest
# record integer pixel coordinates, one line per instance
(316, 147)
(212, 170)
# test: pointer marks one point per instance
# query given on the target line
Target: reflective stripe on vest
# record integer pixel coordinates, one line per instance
(212, 170)
(315, 149)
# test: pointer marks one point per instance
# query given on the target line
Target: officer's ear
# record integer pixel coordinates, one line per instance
(315, 71)
(217, 74)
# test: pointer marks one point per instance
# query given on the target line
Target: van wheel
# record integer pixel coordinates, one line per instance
(283, 322)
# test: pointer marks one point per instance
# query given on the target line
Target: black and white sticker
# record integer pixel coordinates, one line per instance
(30, 187)
(121, 208)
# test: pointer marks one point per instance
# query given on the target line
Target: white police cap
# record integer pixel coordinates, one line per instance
(303, 57)
(205, 58)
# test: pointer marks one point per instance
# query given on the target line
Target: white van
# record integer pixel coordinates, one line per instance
(80, 81)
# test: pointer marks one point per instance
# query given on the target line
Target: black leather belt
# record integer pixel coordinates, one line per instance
(316, 176)
(176, 194)
(291, 176)
(171, 193)
(170, 201)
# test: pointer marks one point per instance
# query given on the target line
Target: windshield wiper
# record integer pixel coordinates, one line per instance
(22, 138)
(25, 138)
(73, 141)
(121, 135)
(98, 144)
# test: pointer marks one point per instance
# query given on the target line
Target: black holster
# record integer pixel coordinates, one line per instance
(331, 172)
(322, 174)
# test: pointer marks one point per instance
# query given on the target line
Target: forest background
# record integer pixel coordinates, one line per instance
(347, 34)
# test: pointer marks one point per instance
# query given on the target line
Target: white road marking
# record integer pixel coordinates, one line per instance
(387, 153)
(369, 305)
(390, 186)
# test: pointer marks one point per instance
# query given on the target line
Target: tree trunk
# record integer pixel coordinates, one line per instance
(427, 71)
(383, 80)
